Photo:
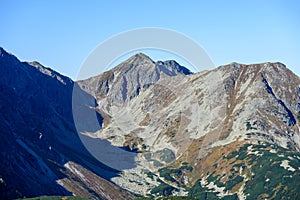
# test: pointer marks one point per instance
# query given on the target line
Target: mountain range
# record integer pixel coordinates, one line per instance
(150, 129)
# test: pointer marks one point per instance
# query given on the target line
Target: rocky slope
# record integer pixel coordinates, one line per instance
(187, 119)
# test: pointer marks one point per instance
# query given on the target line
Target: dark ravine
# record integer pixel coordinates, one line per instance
(292, 120)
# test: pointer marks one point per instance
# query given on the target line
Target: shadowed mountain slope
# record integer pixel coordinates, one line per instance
(41, 152)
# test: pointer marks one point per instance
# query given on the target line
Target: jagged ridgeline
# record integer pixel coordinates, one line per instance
(160, 130)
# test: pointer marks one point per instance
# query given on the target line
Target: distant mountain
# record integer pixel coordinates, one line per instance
(155, 128)
(182, 125)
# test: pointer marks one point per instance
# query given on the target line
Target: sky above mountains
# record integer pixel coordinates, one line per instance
(61, 34)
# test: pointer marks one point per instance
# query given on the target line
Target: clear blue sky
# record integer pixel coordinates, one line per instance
(61, 34)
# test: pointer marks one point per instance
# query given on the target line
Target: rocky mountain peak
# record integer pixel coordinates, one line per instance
(141, 55)
(235, 66)
(126, 80)
(173, 66)
(138, 59)
(271, 71)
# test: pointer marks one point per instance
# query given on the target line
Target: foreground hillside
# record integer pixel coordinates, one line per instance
(41, 152)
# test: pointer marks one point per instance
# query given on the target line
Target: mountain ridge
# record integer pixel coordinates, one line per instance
(219, 134)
